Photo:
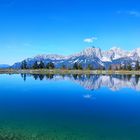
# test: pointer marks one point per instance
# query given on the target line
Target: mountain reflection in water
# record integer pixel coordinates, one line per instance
(94, 82)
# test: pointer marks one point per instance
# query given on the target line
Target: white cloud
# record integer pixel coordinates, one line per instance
(130, 13)
(90, 40)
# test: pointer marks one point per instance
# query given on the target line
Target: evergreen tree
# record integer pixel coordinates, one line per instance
(120, 67)
(80, 67)
(35, 65)
(69, 68)
(24, 65)
(129, 67)
(75, 66)
(50, 65)
(103, 68)
(47, 66)
(90, 67)
(116, 68)
(99, 68)
(63, 67)
(124, 67)
(137, 66)
(41, 65)
(110, 68)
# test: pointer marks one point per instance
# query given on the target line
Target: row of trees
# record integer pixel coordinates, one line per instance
(50, 65)
(41, 65)
(78, 66)
(38, 65)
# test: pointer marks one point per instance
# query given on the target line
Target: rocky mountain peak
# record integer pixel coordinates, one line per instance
(92, 52)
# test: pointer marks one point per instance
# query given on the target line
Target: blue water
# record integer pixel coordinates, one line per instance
(70, 107)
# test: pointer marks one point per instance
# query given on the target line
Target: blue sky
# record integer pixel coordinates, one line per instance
(31, 27)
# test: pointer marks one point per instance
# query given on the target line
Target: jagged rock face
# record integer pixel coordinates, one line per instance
(114, 53)
(92, 55)
(92, 52)
(135, 54)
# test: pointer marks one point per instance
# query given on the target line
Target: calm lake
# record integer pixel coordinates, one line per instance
(69, 107)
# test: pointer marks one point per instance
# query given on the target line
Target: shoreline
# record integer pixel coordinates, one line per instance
(60, 71)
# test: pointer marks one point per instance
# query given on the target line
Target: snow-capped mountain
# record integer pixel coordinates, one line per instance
(94, 56)
(113, 54)
(135, 54)
(52, 57)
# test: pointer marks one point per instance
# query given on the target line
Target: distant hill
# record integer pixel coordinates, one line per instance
(4, 66)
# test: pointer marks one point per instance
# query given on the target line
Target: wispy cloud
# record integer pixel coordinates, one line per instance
(133, 13)
(90, 40)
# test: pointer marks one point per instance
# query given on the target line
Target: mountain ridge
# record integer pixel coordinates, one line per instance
(91, 55)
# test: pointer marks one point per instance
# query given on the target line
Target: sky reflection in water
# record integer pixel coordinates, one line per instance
(78, 106)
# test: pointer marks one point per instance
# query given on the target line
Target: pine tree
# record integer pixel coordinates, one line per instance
(90, 67)
(129, 67)
(103, 68)
(75, 66)
(41, 65)
(63, 67)
(50, 65)
(120, 67)
(24, 65)
(124, 67)
(137, 66)
(80, 67)
(110, 68)
(35, 65)
(47, 66)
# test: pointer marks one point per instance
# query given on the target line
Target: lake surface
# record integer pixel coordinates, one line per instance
(69, 107)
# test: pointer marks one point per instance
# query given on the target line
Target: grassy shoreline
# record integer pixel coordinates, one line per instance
(60, 71)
